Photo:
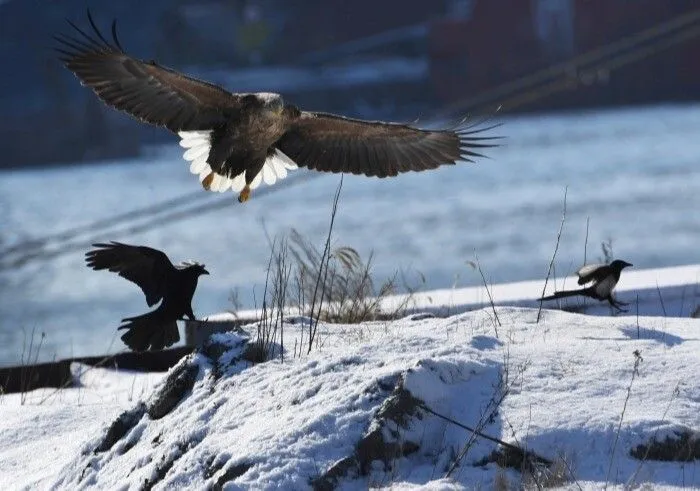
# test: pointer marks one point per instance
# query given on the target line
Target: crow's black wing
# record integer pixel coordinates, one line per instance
(149, 268)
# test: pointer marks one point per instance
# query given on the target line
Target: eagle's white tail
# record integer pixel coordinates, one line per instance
(198, 144)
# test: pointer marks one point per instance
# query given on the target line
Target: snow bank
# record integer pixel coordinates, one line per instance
(359, 411)
(673, 291)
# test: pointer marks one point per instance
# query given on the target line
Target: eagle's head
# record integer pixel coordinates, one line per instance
(271, 101)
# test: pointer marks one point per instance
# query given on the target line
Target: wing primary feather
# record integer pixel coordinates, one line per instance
(365, 155)
(386, 163)
(115, 37)
(97, 31)
(391, 160)
(401, 158)
(446, 145)
(74, 43)
(420, 158)
(95, 42)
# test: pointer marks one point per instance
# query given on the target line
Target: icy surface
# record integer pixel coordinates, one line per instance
(572, 390)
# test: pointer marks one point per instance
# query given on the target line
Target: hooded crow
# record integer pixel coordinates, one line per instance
(602, 278)
(160, 280)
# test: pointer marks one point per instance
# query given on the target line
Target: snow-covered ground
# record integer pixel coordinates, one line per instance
(634, 172)
(581, 391)
(40, 430)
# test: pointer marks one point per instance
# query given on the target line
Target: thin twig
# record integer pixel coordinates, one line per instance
(638, 335)
(324, 258)
(585, 244)
(492, 408)
(571, 473)
(556, 248)
(585, 250)
(490, 438)
(675, 392)
(488, 292)
(661, 299)
(635, 371)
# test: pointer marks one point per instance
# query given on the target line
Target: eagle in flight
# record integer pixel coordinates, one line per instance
(235, 141)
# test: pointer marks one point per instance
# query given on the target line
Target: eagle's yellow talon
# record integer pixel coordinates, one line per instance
(206, 183)
(245, 194)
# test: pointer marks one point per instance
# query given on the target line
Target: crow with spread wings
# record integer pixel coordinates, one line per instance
(603, 279)
(153, 272)
(235, 141)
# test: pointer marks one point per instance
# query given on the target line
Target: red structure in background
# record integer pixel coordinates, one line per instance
(503, 40)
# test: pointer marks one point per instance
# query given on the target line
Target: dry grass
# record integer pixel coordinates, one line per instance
(350, 293)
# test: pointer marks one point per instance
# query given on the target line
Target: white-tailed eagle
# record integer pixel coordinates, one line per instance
(238, 140)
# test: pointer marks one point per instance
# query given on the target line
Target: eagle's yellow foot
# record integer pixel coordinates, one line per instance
(245, 194)
(206, 183)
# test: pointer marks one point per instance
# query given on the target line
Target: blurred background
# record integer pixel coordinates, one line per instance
(599, 97)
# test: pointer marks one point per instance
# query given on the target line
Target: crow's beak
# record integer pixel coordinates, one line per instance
(204, 271)
(628, 264)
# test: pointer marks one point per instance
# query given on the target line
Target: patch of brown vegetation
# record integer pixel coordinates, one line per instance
(685, 447)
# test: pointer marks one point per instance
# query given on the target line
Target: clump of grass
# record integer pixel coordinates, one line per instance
(329, 284)
(27, 376)
(269, 341)
(350, 293)
(607, 248)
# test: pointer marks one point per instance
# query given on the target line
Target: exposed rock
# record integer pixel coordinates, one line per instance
(124, 422)
(683, 447)
(234, 471)
(382, 442)
(176, 385)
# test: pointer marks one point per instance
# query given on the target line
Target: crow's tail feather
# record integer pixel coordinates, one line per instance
(565, 293)
(149, 331)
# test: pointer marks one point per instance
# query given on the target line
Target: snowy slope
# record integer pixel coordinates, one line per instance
(362, 394)
(42, 429)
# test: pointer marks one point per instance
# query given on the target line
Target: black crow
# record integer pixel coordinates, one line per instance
(603, 279)
(151, 270)
(235, 141)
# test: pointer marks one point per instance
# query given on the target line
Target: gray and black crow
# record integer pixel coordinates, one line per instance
(153, 272)
(603, 279)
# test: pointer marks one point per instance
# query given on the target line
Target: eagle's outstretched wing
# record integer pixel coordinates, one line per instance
(145, 90)
(149, 268)
(331, 143)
